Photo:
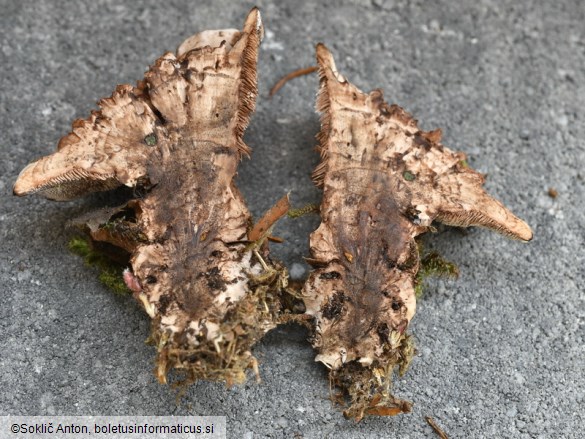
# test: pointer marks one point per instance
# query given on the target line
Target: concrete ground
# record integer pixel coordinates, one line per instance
(501, 349)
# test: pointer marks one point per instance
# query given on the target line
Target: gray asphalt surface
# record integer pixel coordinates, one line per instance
(501, 349)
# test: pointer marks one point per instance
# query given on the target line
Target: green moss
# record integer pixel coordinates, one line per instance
(418, 286)
(80, 247)
(110, 272)
(435, 265)
(112, 278)
(309, 208)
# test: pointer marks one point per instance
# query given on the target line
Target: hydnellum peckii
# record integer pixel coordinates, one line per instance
(177, 137)
(384, 182)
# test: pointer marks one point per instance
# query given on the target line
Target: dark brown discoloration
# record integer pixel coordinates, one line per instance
(384, 182)
(334, 306)
(330, 275)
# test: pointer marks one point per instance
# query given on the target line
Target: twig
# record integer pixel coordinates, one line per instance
(291, 75)
(435, 427)
(262, 227)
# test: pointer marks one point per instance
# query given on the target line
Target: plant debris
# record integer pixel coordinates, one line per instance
(291, 75)
(384, 181)
(111, 272)
(176, 137)
(552, 192)
(302, 211)
(436, 428)
(433, 265)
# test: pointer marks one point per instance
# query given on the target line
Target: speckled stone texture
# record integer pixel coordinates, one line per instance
(501, 350)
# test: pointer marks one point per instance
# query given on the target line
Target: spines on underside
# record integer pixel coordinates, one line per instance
(326, 65)
(248, 90)
(429, 180)
(470, 205)
(443, 188)
(106, 150)
(207, 92)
